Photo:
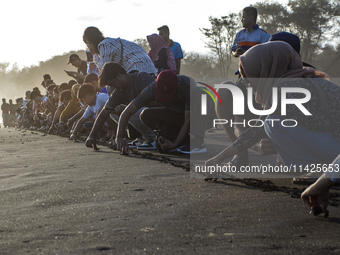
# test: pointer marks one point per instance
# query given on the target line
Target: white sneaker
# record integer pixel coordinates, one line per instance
(134, 144)
(147, 146)
(186, 149)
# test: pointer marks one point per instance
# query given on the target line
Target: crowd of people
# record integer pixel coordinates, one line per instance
(120, 91)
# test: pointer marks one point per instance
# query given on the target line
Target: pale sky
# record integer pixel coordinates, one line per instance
(36, 30)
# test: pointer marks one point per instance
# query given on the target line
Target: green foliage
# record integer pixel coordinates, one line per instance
(220, 38)
(143, 43)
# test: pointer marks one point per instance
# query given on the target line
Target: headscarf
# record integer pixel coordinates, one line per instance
(156, 44)
(264, 65)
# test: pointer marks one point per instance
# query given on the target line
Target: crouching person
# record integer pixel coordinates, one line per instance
(95, 103)
(125, 88)
(174, 119)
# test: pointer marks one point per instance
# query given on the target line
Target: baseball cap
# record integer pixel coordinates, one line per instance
(166, 86)
(290, 38)
(72, 57)
(293, 41)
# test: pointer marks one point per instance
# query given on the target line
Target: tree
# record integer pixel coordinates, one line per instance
(220, 38)
(314, 21)
(272, 17)
(198, 66)
(143, 43)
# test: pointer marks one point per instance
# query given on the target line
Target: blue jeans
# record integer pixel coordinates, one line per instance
(301, 146)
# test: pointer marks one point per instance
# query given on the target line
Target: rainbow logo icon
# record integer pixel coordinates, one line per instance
(209, 93)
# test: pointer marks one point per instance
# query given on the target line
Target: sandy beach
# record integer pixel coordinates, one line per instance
(59, 197)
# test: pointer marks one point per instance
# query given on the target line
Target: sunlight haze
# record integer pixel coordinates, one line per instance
(36, 30)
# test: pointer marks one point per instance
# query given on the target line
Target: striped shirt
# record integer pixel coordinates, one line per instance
(129, 55)
(247, 39)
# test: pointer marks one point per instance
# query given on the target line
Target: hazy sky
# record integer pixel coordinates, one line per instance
(36, 30)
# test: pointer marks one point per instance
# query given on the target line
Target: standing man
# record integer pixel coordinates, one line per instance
(251, 35)
(248, 37)
(175, 47)
(75, 60)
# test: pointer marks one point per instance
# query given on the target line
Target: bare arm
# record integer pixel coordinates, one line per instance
(75, 117)
(123, 122)
(178, 65)
(78, 126)
(99, 123)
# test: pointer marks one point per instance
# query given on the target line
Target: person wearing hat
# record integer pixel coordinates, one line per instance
(75, 60)
(174, 92)
(294, 41)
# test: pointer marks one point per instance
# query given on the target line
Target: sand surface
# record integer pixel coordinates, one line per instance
(59, 197)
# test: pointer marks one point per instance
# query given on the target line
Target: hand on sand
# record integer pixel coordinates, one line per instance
(211, 176)
(122, 146)
(73, 137)
(91, 143)
(69, 124)
(265, 147)
(317, 195)
(166, 144)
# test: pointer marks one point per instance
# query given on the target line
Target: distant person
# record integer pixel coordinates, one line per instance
(175, 47)
(71, 83)
(92, 79)
(46, 77)
(27, 98)
(6, 117)
(251, 35)
(13, 108)
(71, 102)
(37, 97)
(160, 53)
(81, 66)
(91, 66)
(131, 56)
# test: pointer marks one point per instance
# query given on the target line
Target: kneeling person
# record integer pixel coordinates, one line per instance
(95, 103)
(125, 88)
(174, 92)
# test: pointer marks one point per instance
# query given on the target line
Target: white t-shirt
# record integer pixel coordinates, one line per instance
(93, 110)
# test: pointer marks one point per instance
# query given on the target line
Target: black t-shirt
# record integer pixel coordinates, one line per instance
(181, 101)
(82, 70)
(140, 81)
(161, 62)
(5, 107)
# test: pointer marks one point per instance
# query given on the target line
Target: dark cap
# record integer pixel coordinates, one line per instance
(292, 39)
(166, 86)
(73, 57)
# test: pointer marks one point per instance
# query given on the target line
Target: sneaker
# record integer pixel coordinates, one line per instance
(134, 144)
(186, 149)
(147, 146)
